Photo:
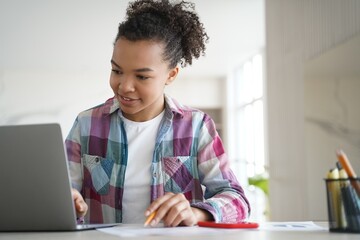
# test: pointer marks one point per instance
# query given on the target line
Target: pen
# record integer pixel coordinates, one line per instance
(228, 225)
(149, 218)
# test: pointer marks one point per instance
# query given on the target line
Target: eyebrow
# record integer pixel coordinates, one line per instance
(136, 70)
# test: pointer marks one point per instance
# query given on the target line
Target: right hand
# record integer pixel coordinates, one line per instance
(80, 206)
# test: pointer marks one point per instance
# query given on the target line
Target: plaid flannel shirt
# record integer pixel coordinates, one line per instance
(189, 158)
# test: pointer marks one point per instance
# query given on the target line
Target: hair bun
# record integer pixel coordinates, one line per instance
(175, 24)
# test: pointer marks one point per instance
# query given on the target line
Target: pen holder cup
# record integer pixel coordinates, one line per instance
(343, 202)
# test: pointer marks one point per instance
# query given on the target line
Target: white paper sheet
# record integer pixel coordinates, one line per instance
(136, 230)
(291, 226)
(125, 230)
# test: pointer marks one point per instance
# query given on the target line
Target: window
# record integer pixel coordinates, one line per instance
(246, 135)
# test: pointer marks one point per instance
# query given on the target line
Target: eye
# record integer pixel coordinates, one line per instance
(117, 72)
(141, 77)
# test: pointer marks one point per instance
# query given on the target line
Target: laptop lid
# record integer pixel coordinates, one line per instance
(34, 180)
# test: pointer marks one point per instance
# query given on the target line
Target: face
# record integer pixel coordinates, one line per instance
(138, 78)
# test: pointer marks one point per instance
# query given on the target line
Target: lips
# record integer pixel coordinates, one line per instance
(126, 100)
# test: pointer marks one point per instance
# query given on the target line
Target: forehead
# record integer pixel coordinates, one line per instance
(140, 53)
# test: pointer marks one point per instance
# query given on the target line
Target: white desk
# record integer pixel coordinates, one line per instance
(227, 235)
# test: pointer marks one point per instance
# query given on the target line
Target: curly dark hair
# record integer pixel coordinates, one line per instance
(176, 25)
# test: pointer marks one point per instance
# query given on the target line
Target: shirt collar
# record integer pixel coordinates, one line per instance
(171, 105)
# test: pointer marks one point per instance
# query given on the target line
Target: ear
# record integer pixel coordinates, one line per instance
(172, 75)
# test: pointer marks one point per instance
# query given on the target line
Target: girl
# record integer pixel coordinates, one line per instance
(141, 151)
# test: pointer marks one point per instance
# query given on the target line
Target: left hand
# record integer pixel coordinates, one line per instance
(80, 206)
(174, 210)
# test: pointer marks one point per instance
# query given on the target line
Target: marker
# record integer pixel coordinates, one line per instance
(149, 218)
(334, 198)
(344, 183)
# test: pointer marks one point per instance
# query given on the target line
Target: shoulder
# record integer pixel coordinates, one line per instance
(96, 119)
(184, 112)
(102, 110)
(180, 109)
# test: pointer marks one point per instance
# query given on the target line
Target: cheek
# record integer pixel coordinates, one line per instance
(113, 83)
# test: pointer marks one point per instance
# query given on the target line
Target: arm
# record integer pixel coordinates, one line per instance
(73, 149)
(224, 197)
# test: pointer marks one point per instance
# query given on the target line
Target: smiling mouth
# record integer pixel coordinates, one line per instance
(126, 99)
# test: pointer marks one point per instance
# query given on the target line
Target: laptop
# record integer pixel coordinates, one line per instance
(35, 188)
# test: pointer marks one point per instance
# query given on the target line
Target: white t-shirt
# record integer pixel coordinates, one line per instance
(141, 138)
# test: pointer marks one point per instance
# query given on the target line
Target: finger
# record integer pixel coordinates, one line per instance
(149, 218)
(74, 193)
(165, 208)
(177, 213)
(190, 220)
(183, 218)
(157, 203)
(81, 207)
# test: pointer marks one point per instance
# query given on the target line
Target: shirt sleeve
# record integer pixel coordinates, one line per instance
(224, 197)
(73, 150)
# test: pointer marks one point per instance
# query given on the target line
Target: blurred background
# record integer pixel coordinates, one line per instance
(281, 79)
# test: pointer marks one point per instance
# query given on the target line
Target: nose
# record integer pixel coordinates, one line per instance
(126, 84)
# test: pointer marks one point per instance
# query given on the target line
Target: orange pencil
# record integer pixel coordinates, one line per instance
(149, 218)
(345, 163)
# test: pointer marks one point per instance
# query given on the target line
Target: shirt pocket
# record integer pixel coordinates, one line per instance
(180, 173)
(100, 171)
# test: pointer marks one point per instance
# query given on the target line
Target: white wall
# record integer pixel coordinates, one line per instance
(54, 58)
(332, 121)
(297, 32)
(198, 92)
(34, 96)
